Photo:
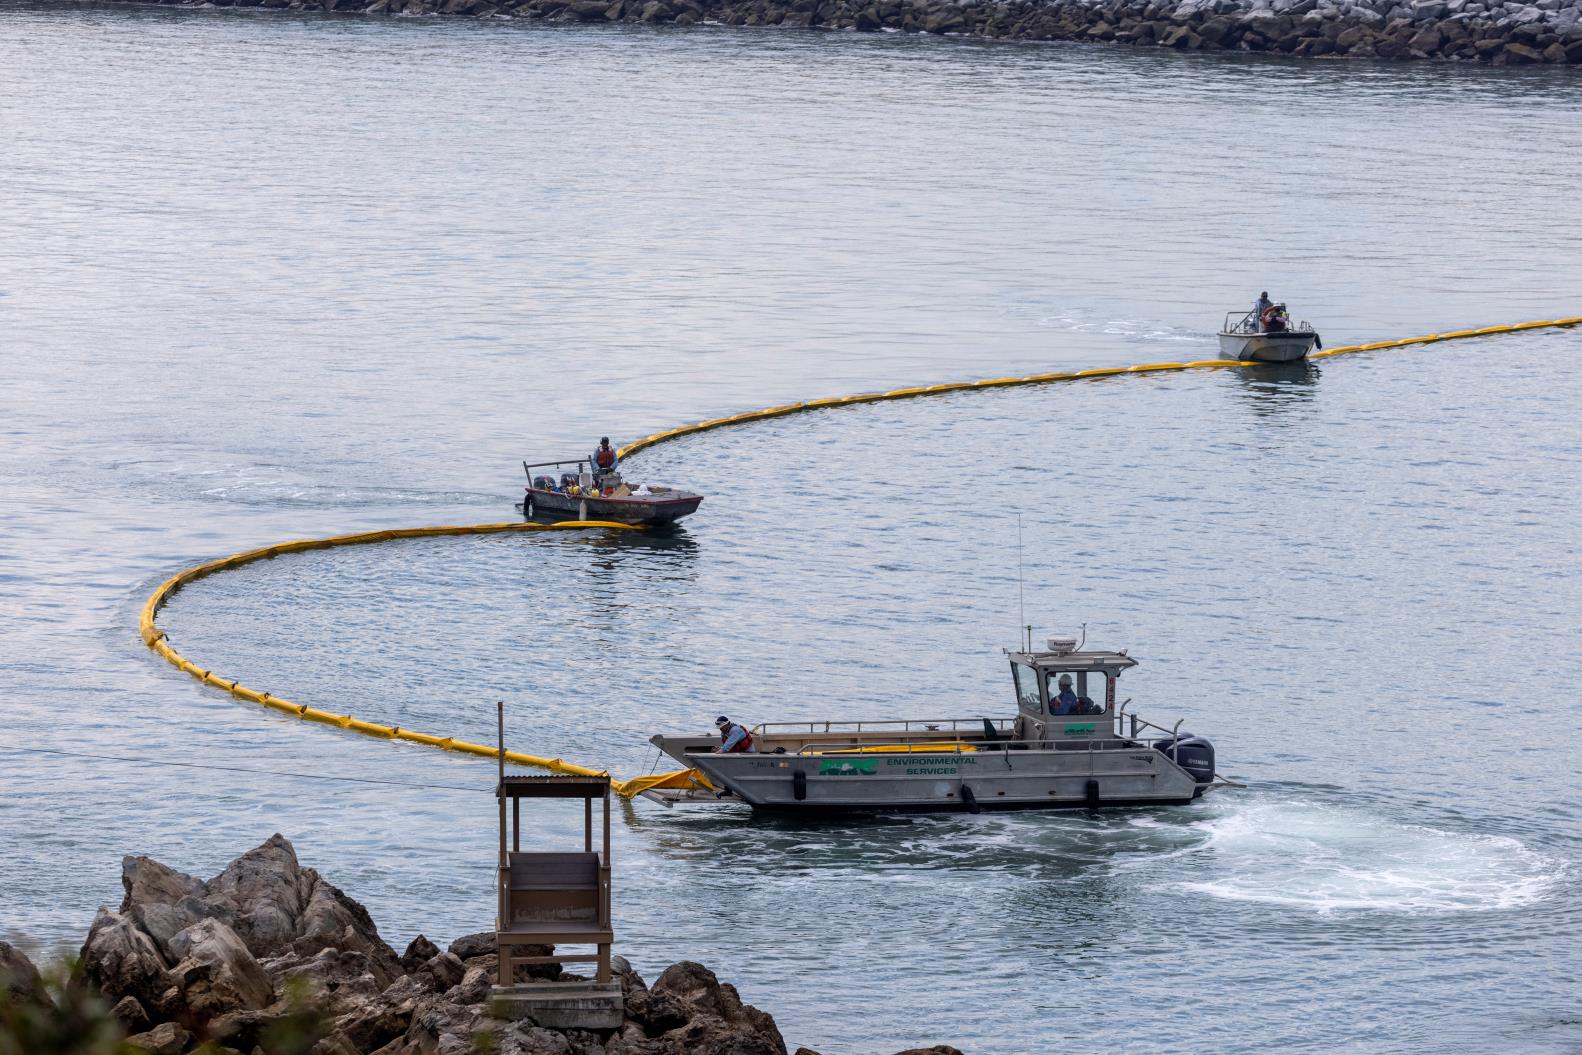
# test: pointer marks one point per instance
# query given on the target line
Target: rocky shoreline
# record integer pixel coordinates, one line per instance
(1496, 32)
(268, 958)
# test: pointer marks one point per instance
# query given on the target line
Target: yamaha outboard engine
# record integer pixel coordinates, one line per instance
(1193, 754)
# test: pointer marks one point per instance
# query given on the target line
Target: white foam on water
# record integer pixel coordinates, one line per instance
(1338, 859)
(1077, 321)
(270, 485)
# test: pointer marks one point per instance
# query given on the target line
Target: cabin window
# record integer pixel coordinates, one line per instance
(1026, 688)
(1088, 686)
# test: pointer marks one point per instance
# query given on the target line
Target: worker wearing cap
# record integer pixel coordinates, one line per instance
(1066, 702)
(733, 738)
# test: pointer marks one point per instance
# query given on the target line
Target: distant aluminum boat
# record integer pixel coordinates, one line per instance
(1096, 754)
(573, 496)
(1245, 340)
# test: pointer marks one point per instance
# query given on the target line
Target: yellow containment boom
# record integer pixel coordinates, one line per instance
(680, 780)
(684, 779)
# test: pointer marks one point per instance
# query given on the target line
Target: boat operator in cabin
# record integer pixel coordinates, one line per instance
(1066, 702)
(733, 738)
(604, 459)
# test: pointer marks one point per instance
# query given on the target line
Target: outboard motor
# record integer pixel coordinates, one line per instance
(1193, 754)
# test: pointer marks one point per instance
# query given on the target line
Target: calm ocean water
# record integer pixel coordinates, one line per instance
(267, 277)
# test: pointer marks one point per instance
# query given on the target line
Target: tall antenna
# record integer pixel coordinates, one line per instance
(1021, 596)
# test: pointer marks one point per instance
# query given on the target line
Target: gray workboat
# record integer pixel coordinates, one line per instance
(1271, 338)
(1070, 745)
(578, 495)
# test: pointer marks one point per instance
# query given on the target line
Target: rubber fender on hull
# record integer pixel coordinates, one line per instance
(799, 785)
(1193, 754)
(1092, 792)
(969, 800)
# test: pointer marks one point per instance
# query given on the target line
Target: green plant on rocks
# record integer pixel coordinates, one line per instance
(52, 1013)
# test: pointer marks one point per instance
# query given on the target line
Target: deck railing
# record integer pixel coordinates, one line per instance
(966, 734)
(993, 747)
(1249, 323)
(908, 725)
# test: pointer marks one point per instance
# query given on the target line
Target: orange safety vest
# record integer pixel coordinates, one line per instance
(605, 456)
(747, 738)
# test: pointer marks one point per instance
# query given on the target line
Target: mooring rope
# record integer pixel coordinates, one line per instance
(157, 640)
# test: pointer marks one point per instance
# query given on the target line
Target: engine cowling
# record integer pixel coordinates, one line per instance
(1192, 753)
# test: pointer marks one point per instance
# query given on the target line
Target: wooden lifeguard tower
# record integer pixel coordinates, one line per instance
(554, 898)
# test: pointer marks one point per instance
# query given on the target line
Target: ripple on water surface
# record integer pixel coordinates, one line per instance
(1353, 576)
(1294, 631)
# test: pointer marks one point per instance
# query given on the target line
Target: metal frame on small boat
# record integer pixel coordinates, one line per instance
(1243, 341)
(1102, 755)
(666, 505)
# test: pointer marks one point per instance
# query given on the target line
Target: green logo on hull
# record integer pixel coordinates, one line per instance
(830, 768)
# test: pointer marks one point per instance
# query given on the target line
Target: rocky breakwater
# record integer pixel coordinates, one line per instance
(1497, 32)
(268, 958)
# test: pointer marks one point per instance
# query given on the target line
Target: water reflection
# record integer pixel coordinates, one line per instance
(1272, 389)
(857, 560)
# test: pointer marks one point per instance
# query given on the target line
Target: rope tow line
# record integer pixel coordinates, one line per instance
(156, 639)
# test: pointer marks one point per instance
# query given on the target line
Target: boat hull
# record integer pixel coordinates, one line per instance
(1267, 347)
(553, 505)
(1100, 774)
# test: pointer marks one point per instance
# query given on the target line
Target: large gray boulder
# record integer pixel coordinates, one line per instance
(167, 1038)
(273, 904)
(160, 900)
(225, 961)
(265, 893)
(19, 979)
(219, 952)
(216, 973)
(374, 1023)
(716, 1022)
(119, 959)
(339, 979)
(418, 952)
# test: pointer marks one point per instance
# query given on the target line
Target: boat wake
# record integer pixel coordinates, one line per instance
(1340, 859)
(277, 486)
(326, 496)
(1135, 330)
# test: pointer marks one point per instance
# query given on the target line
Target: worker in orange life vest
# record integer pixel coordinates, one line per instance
(604, 459)
(733, 738)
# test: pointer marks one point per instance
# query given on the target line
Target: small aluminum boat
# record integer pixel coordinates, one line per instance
(1086, 754)
(578, 496)
(1248, 340)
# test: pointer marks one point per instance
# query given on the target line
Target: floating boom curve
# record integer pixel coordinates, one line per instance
(1045, 379)
(155, 638)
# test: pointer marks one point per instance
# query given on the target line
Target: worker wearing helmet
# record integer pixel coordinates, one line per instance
(1066, 702)
(733, 738)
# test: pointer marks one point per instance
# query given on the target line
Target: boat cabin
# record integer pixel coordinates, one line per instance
(1063, 694)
